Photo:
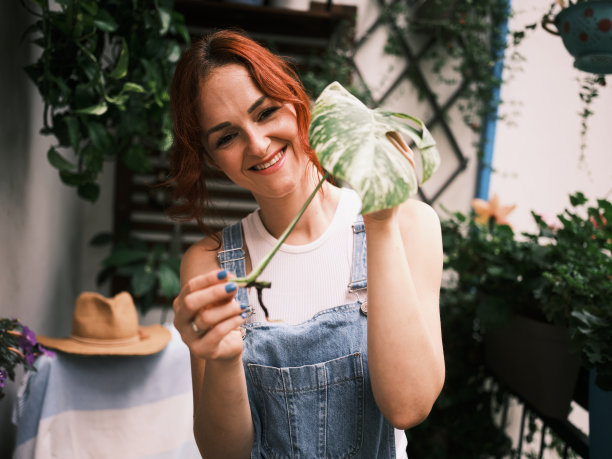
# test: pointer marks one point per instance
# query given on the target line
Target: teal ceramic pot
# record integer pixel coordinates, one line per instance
(586, 30)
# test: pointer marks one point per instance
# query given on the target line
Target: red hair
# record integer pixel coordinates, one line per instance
(270, 73)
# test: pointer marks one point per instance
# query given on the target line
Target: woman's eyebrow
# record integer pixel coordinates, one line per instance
(218, 127)
(225, 124)
(257, 103)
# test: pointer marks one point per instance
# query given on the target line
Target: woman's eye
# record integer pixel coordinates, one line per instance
(267, 112)
(223, 140)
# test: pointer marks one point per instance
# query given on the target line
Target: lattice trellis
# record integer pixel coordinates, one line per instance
(413, 69)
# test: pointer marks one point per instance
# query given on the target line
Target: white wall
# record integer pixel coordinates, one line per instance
(537, 162)
(44, 226)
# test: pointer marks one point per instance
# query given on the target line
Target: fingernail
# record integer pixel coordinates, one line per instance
(244, 315)
(222, 274)
(244, 306)
(230, 287)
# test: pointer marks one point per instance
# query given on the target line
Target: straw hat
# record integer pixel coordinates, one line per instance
(108, 326)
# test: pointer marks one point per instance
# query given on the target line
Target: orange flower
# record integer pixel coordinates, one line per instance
(485, 210)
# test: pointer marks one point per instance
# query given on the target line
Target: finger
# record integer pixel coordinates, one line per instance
(217, 333)
(207, 318)
(209, 297)
(205, 280)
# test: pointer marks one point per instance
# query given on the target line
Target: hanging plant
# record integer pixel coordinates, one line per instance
(585, 27)
(103, 75)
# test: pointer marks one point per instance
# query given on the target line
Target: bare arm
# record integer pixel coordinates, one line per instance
(405, 352)
(222, 416)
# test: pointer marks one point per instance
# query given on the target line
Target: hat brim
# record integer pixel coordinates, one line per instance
(152, 339)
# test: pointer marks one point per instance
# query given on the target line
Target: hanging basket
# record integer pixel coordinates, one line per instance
(586, 31)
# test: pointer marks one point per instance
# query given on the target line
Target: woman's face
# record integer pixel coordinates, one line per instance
(252, 138)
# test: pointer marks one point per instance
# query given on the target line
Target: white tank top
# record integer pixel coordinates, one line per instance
(305, 278)
(309, 278)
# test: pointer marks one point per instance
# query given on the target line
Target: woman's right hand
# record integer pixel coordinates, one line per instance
(208, 302)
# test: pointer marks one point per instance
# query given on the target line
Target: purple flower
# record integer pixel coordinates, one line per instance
(29, 335)
(3, 376)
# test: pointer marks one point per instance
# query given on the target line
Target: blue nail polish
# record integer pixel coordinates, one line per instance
(244, 306)
(230, 287)
(222, 274)
(244, 315)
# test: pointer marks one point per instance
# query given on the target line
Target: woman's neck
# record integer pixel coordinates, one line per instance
(277, 214)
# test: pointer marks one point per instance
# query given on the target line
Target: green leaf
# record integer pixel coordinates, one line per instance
(143, 281)
(164, 17)
(98, 109)
(74, 132)
(168, 280)
(132, 87)
(89, 191)
(363, 148)
(135, 157)
(73, 178)
(105, 22)
(99, 136)
(58, 161)
(120, 257)
(121, 68)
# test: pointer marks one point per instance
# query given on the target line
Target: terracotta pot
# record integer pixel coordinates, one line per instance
(534, 361)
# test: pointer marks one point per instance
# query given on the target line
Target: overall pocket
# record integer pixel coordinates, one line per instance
(312, 411)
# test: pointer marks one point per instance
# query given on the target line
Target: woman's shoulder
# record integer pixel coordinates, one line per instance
(200, 257)
(419, 218)
(415, 208)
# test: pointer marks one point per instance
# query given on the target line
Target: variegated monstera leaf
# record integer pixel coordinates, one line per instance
(363, 148)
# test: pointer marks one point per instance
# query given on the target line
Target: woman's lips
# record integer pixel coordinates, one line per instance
(269, 166)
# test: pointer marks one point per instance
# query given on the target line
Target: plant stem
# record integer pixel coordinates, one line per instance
(251, 279)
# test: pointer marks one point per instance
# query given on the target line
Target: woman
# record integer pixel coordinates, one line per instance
(335, 378)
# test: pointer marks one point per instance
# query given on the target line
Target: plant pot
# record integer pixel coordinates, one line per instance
(586, 31)
(534, 361)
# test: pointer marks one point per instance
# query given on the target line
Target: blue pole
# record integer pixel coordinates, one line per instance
(485, 164)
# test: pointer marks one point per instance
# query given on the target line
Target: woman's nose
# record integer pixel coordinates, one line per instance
(258, 141)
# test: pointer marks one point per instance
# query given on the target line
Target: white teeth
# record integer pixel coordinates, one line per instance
(272, 162)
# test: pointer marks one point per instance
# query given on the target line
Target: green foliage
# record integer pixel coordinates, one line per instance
(466, 43)
(559, 275)
(18, 347)
(104, 74)
(153, 271)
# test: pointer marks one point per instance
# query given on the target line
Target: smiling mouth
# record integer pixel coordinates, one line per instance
(271, 162)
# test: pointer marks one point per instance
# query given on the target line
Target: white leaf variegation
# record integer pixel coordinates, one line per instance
(362, 147)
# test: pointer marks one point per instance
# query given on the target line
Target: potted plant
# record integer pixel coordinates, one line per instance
(103, 75)
(554, 282)
(585, 26)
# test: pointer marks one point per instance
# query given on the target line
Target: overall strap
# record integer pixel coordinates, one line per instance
(231, 258)
(359, 273)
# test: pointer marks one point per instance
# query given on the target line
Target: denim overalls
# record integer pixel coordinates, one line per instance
(308, 384)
